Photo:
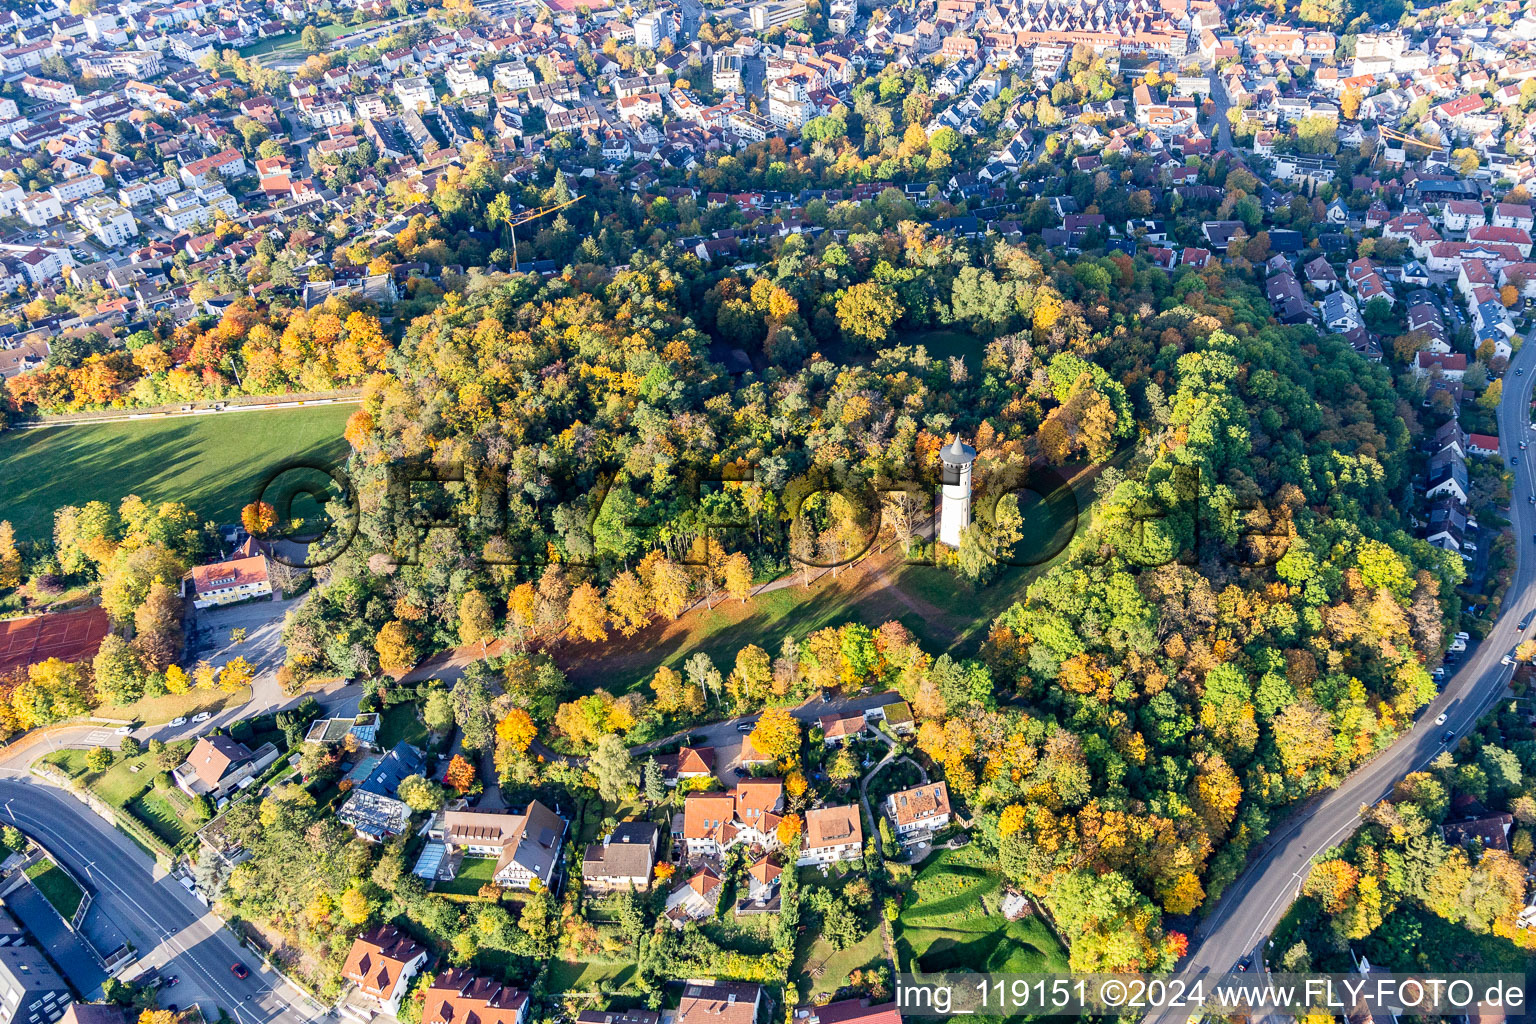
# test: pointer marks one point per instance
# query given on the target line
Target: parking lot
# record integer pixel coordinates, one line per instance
(262, 621)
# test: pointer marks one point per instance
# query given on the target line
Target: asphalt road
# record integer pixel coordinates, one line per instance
(1244, 917)
(164, 923)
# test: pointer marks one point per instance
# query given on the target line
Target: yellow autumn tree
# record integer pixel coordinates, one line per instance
(777, 735)
(629, 606)
(394, 648)
(587, 612)
(516, 730)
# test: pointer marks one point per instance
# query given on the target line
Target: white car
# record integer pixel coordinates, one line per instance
(1463, 636)
(123, 730)
(202, 716)
(1458, 645)
(1441, 719)
(178, 721)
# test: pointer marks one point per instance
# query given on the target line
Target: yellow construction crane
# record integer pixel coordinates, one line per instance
(1388, 133)
(527, 216)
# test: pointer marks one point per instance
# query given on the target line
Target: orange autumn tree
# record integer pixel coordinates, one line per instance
(460, 776)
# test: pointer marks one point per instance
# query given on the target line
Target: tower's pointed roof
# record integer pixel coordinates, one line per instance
(958, 453)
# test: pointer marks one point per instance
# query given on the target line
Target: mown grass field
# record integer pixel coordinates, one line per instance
(290, 44)
(216, 464)
(950, 922)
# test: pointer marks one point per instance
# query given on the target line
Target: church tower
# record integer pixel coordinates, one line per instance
(955, 511)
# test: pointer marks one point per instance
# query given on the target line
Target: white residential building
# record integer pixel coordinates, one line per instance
(109, 222)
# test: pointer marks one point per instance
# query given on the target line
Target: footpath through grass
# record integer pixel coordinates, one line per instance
(216, 464)
(57, 888)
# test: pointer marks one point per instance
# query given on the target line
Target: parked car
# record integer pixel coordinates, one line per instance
(123, 730)
(180, 720)
(202, 716)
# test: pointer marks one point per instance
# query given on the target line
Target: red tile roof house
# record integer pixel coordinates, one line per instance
(228, 582)
(920, 810)
(687, 763)
(1482, 444)
(458, 997)
(832, 834)
(381, 964)
(848, 1011)
(837, 729)
(217, 766)
(726, 1002)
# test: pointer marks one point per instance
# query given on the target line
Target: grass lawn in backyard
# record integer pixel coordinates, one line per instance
(57, 888)
(824, 966)
(159, 710)
(215, 464)
(569, 976)
(401, 724)
(158, 810)
(473, 873)
(166, 815)
(949, 922)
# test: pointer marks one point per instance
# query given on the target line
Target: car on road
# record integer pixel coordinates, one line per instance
(123, 730)
(1440, 719)
(202, 716)
(239, 970)
(1513, 461)
(1449, 735)
(180, 720)
(744, 727)
(1508, 659)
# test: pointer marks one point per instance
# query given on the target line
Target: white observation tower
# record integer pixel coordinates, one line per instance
(955, 512)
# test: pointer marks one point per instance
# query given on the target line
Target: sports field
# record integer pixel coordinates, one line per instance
(73, 636)
(215, 464)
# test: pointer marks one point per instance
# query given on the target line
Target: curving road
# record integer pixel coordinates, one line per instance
(167, 927)
(1243, 918)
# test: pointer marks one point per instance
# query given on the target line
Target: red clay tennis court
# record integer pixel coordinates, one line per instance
(72, 636)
